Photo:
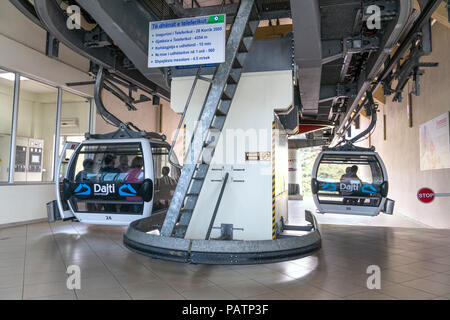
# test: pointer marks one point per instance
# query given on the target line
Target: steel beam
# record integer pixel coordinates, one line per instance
(129, 32)
(375, 63)
(54, 21)
(308, 52)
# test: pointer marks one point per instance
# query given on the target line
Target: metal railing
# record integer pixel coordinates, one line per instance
(188, 102)
(180, 123)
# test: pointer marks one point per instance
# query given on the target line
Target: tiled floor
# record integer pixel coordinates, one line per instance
(415, 264)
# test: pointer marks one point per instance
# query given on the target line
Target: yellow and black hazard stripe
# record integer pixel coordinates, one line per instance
(273, 181)
(184, 141)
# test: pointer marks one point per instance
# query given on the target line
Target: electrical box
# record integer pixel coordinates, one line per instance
(20, 164)
(28, 159)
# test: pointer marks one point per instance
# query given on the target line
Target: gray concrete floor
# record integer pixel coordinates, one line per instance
(414, 262)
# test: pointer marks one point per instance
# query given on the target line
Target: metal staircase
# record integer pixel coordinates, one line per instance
(211, 121)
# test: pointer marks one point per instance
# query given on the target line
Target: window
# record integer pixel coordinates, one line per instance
(36, 128)
(100, 163)
(166, 178)
(6, 107)
(350, 179)
(333, 168)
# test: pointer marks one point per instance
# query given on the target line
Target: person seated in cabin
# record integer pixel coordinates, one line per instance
(109, 173)
(108, 168)
(83, 177)
(88, 168)
(123, 163)
(355, 180)
(134, 175)
(345, 178)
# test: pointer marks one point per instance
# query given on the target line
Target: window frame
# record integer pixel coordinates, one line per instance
(57, 135)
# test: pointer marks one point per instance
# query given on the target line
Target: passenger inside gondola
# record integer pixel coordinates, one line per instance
(166, 186)
(123, 163)
(356, 181)
(88, 169)
(134, 175)
(108, 167)
(345, 178)
(109, 173)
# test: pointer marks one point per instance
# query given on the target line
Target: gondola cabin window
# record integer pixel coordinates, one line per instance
(165, 178)
(105, 168)
(349, 179)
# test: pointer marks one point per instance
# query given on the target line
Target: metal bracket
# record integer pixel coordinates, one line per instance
(97, 38)
(216, 209)
(226, 231)
(52, 46)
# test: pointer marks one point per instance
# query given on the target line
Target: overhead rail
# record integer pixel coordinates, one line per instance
(391, 63)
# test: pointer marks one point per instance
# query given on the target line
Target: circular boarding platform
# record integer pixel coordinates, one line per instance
(139, 238)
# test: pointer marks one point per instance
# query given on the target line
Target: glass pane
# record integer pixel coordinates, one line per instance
(166, 178)
(35, 132)
(6, 106)
(114, 163)
(68, 154)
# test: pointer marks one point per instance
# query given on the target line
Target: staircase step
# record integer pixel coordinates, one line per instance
(245, 44)
(250, 28)
(185, 218)
(229, 91)
(180, 231)
(195, 187)
(213, 137)
(189, 203)
(201, 171)
(235, 75)
(218, 123)
(207, 154)
(224, 106)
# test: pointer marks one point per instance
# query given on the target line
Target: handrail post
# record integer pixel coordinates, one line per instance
(188, 102)
(216, 209)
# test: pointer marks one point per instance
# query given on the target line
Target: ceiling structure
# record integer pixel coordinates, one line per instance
(338, 58)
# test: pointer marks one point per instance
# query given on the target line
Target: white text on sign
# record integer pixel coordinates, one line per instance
(184, 42)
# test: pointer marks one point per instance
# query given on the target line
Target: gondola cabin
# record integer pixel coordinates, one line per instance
(349, 182)
(116, 181)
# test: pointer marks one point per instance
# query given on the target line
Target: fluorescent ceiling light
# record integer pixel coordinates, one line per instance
(11, 76)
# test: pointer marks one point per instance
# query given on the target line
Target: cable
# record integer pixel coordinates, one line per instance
(367, 136)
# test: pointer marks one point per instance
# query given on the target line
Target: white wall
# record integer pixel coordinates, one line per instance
(16, 26)
(22, 49)
(401, 152)
(246, 204)
(146, 117)
(24, 202)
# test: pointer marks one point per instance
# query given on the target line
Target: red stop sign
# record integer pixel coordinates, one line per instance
(425, 195)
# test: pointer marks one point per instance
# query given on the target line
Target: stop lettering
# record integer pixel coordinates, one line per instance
(425, 195)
